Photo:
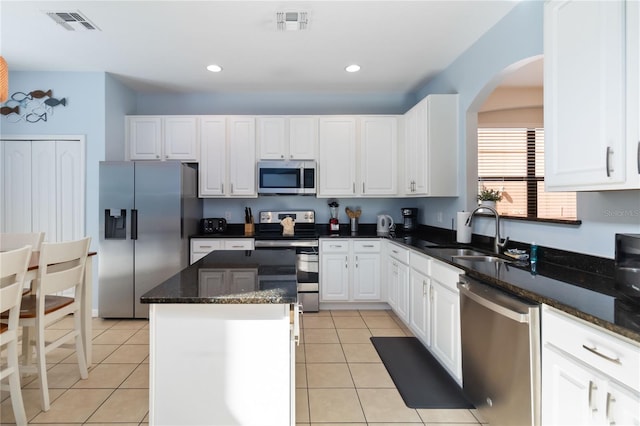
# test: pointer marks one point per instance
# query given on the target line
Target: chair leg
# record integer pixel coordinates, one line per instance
(14, 384)
(82, 358)
(42, 368)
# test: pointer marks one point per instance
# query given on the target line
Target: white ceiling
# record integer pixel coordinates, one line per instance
(166, 45)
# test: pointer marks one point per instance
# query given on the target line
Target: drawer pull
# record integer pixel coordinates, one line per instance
(236, 246)
(595, 351)
(368, 245)
(205, 247)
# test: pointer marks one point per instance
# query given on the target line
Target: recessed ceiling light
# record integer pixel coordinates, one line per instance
(214, 68)
(352, 68)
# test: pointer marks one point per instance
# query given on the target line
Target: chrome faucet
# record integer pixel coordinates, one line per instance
(497, 242)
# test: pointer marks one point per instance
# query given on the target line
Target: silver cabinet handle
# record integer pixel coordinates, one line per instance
(424, 287)
(592, 388)
(346, 262)
(282, 156)
(368, 245)
(232, 187)
(609, 152)
(205, 247)
(222, 187)
(157, 156)
(363, 187)
(595, 351)
(356, 261)
(610, 399)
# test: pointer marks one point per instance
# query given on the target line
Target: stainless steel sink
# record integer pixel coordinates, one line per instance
(481, 258)
(455, 252)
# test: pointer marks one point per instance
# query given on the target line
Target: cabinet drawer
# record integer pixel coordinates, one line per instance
(366, 246)
(420, 262)
(205, 246)
(240, 244)
(399, 253)
(334, 246)
(593, 345)
(446, 274)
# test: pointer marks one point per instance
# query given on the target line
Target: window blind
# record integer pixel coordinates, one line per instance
(511, 160)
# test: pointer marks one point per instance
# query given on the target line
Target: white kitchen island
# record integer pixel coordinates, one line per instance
(223, 355)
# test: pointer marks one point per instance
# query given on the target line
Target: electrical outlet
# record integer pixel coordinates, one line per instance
(227, 216)
(439, 217)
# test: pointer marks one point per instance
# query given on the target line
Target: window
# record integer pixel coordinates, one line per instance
(511, 160)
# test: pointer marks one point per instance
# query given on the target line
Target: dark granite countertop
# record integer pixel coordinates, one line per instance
(589, 296)
(580, 285)
(275, 279)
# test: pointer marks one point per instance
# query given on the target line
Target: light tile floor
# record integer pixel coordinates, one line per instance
(340, 379)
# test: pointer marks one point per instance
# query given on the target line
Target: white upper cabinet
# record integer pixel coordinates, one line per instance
(227, 157)
(431, 147)
(591, 77)
(162, 138)
(287, 138)
(378, 156)
(336, 164)
(358, 156)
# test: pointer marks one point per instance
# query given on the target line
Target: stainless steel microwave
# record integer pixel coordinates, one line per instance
(286, 177)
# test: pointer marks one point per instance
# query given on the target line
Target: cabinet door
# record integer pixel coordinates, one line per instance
(180, 138)
(272, 138)
(378, 156)
(337, 144)
(334, 277)
(145, 138)
(570, 391)
(366, 276)
(242, 157)
(393, 279)
(416, 152)
(420, 311)
(16, 186)
(212, 170)
(303, 138)
(622, 406)
(584, 121)
(45, 213)
(445, 327)
(403, 292)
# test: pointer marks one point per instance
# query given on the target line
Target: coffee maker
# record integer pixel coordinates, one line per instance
(409, 216)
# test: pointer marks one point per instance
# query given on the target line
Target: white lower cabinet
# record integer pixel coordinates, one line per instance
(434, 316)
(350, 270)
(398, 280)
(589, 376)
(200, 247)
(420, 288)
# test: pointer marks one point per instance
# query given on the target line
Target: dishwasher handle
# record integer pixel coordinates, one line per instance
(496, 300)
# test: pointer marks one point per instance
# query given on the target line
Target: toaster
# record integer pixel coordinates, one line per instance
(213, 225)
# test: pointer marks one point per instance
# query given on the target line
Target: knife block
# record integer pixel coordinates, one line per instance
(249, 229)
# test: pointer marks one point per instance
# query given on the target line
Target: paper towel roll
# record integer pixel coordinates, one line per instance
(463, 234)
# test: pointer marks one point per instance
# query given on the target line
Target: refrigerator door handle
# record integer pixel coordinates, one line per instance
(134, 224)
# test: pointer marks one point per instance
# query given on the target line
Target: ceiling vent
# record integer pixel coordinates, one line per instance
(72, 21)
(292, 21)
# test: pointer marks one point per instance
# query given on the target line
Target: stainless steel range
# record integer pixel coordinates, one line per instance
(304, 241)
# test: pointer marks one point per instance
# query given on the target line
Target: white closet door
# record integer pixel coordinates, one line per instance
(70, 173)
(16, 186)
(43, 189)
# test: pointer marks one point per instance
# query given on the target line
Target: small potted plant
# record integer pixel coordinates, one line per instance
(489, 197)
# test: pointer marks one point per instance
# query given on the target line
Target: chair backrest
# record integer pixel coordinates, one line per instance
(61, 266)
(14, 240)
(13, 268)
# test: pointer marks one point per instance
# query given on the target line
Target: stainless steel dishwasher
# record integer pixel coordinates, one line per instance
(500, 354)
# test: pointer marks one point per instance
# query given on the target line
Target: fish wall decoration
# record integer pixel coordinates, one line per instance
(32, 107)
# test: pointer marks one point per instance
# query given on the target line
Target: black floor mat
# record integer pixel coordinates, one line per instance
(420, 379)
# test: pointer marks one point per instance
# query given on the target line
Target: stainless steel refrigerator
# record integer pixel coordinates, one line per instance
(147, 212)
